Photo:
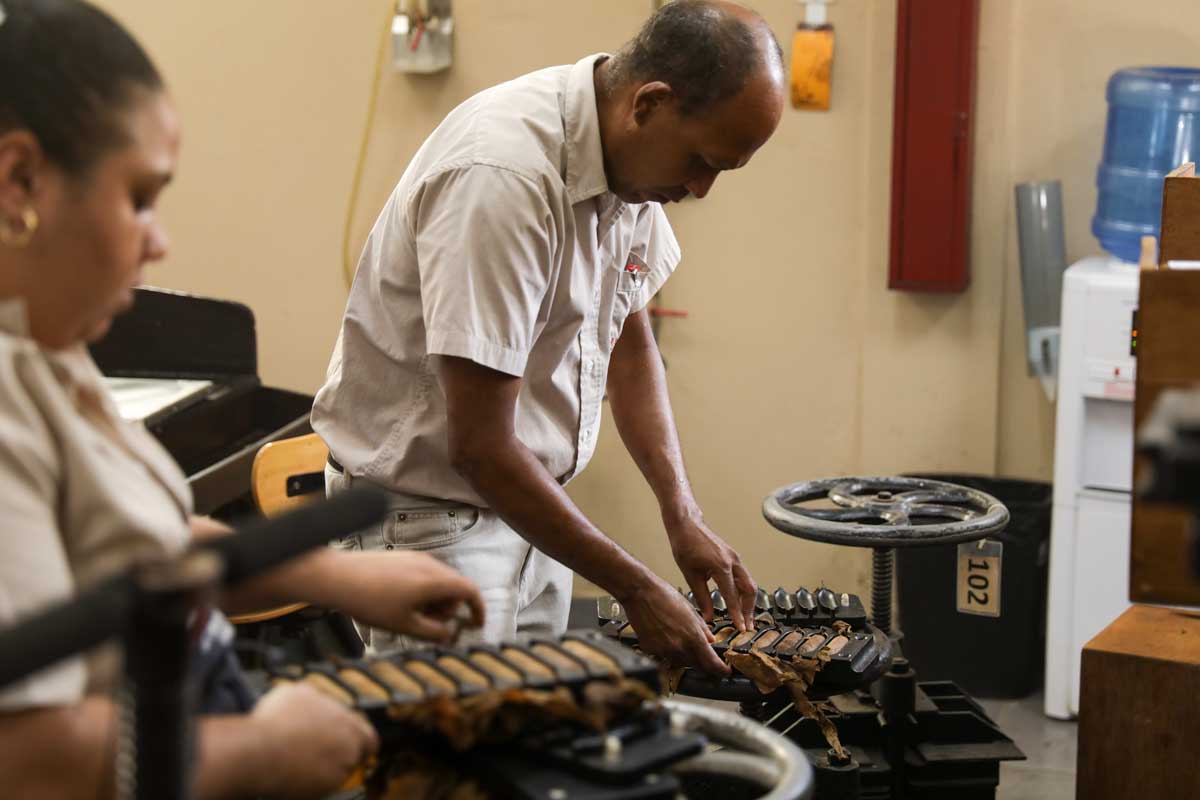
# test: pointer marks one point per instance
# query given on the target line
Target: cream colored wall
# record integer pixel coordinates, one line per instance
(797, 361)
(1060, 55)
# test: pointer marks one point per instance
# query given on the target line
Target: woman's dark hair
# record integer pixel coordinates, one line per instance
(705, 53)
(67, 72)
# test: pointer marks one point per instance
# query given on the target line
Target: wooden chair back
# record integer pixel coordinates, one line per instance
(286, 473)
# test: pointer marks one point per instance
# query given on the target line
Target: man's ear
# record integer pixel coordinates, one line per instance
(21, 159)
(651, 98)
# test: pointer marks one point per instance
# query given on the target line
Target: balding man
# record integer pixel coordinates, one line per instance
(503, 290)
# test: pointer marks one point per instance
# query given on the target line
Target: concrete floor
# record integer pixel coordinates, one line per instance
(1049, 745)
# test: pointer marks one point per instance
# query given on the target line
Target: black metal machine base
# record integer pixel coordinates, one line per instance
(945, 748)
(907, 740)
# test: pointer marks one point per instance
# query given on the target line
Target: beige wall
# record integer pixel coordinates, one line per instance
(1059, 56)
(796, 361)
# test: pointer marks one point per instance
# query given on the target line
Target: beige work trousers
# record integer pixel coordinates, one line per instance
(524, 590)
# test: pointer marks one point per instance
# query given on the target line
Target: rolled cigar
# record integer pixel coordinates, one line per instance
(767, 639)
(528, 664)
(433, 680)
(463, 671)
(725, 634)
(836, 644)
(743, 638)
(597, 659)
(812, 644)
(396, 678)
(503, 676)
(556, 657)
(328, 687)
(790, 642)
(363, 683)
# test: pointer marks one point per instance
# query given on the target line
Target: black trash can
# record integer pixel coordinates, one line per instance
(987, 656)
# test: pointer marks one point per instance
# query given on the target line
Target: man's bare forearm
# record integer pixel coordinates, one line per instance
(637, 392)
(519, 489)
(641, 407)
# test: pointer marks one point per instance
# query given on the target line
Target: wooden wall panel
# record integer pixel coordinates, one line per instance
(1168, 357)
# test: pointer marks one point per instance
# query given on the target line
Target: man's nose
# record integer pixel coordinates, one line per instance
(700, 186)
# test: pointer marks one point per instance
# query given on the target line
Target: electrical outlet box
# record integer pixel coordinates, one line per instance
(422, 36)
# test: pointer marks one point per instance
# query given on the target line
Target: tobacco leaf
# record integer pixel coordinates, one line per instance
(771, 672)
(810, 710)
(416, 776)
(495, 716)
(500, 715)
(670, 678)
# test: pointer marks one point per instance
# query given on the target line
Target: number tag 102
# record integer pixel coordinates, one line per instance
(979, 577)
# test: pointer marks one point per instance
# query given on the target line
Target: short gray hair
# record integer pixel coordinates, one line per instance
(704, 53)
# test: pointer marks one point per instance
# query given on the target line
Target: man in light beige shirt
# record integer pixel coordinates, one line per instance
(503, 291)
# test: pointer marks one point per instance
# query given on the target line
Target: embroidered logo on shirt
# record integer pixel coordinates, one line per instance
(637, 271)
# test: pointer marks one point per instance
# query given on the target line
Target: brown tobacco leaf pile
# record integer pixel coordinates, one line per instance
(499, 715)
(413, 776)
(771, 672)
(493, 717)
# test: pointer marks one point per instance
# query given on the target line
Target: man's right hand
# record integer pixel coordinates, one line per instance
(668, 627)
(314, 743)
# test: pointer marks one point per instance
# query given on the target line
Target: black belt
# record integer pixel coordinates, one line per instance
(333, 462)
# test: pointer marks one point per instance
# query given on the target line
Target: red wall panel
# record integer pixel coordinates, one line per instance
(936, 42)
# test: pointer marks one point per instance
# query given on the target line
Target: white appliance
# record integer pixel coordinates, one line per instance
(1093, 469)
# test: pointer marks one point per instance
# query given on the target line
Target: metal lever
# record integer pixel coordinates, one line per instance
(805, 600)
(719, 602)
(784, 601)
(827, 600)
(762, 601)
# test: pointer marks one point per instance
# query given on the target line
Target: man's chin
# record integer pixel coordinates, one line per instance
(634, 198)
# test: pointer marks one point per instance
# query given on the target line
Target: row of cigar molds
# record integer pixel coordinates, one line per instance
(413, 676)
(782, 641)
(781, 606)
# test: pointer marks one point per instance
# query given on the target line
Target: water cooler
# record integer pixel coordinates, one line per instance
(1093, 469)
(1153, 126)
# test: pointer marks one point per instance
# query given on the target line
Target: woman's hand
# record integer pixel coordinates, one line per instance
(311, 743)
(404, 592)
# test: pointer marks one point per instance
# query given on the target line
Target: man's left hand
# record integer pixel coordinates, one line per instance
(701, 556)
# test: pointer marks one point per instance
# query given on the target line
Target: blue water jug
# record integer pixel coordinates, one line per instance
(1153, 127)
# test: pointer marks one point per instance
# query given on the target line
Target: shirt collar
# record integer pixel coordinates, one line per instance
(581, 121)
(13, 319)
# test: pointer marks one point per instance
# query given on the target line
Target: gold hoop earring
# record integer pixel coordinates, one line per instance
(20, 238)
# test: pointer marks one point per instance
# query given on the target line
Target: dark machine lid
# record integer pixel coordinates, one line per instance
(171, 334)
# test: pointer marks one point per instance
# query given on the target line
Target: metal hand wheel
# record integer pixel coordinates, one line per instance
(751, 752)
(884, 513)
